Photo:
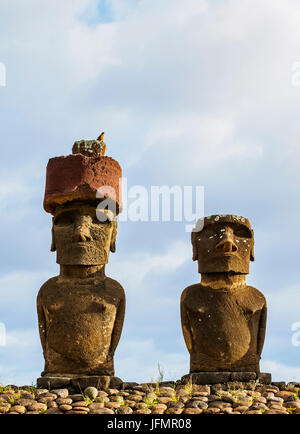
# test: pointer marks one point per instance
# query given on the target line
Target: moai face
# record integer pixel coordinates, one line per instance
(82, 237)
(225, 244)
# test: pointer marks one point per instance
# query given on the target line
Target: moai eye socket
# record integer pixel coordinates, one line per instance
(64, 219)
(241, 231)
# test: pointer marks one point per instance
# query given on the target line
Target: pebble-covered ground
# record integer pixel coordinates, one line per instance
(230, 398)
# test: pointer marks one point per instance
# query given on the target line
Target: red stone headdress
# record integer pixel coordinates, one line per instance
(79, 176)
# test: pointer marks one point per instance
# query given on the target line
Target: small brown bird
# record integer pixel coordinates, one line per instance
(101, 137)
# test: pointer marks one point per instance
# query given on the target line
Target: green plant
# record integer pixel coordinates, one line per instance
(5, 389)
(87, 399)
(33, 388)
(149, 401)
(157, 382)
(254, 398)
(161, 373)
(189, 387)
(14, 396)
(120, 399)
(175, 397)
(159, 379)
(45, 409)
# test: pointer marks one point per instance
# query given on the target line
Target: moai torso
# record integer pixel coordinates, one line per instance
(80, 324)
(223, 319)
(224, 330)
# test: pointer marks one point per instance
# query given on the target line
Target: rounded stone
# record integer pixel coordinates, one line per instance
(87, 410)
(18, 409)
(91, 392)
(292, 404)
(102, 411)
(135, 398)
(192, 411)
(124, 410)
(64, 401)
(65, 407)
(113, 405)
(37, 406)
(76, 412)
(46, 397)
(61, 393)
(211, 410)
(54, 411)
(144, 411)
(275, 399)
(79, 404)
(174, 410)
(96, 406)
(76, 397)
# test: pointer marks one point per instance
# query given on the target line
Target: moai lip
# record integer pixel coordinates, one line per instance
(81, 311)
(223, 319)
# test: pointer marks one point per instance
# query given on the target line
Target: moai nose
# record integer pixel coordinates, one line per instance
(81, 233)
(227, 245)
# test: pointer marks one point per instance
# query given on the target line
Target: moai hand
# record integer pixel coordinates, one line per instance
(223, 319)
(81, 311)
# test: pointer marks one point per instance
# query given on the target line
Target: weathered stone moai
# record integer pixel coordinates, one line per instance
(81, 311)
(223, 319)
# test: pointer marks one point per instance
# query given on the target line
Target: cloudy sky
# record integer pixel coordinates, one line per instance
(194, 93)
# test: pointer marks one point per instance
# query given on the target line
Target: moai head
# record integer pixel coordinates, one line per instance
(225, 244)
(82, 235)
(83, 193)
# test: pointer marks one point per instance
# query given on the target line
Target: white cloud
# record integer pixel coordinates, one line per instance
(201, 142)
(283, 306)
(132, 271)
(20, 186)
(137, 360)
(21, 358)
(22, 339)
(19, 289)
(281, 372)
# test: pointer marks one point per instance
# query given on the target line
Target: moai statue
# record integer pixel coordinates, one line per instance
(223, 319)
(81, 311)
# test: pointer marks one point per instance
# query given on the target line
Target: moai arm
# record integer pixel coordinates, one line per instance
(186, 328)
(117, 330)
(262, 330)
(42, 322)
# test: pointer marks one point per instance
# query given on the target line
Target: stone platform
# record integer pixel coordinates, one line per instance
(225, 377)
(79, 382)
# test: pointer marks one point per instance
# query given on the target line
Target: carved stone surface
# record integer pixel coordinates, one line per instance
(79, 382)
(89, 148)
(225, 377)
(223, 319)
(78, 177)
(80, 311)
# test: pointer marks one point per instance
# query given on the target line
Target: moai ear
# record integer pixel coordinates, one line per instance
(53, 246)
(113, 237)
(194, 244)
(252, 248)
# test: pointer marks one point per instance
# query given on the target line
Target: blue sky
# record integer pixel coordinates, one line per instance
(188, 93)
